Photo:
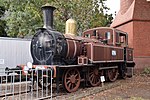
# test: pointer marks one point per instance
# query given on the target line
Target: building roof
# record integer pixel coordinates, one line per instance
(137, 10)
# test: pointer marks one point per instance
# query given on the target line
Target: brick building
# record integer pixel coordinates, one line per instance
(134, 18)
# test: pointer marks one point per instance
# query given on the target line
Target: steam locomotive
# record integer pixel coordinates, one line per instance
(101, 51)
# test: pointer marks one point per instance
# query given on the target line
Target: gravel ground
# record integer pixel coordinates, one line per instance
(136, 88)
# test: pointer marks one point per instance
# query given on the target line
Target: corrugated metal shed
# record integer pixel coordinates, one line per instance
(14, 51)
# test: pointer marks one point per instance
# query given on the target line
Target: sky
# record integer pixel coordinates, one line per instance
(114, 5)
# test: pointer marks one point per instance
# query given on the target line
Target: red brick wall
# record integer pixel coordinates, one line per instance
(124, 5)
(141, 38)
(141, 63)
(134, 18)
(138, 37)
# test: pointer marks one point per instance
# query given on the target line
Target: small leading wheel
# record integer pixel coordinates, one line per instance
(94, 76)
(112, 74)
(72, 79)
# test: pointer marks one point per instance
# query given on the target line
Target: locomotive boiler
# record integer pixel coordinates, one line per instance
(101, 51)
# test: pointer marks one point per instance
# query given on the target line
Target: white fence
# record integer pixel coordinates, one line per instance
(37, 84)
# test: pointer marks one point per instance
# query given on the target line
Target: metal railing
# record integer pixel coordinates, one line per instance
(15, 85)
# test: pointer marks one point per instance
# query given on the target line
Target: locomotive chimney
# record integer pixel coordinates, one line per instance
(48, 15)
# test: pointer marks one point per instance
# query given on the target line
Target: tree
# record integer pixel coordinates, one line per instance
(25, 16)
(2, 22)
(87, 13)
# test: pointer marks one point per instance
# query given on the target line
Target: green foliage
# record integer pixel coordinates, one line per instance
(24, 16)
(146, 70)
(2, 22)
(87, 13)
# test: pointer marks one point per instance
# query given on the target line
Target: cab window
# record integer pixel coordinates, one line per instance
(88, 35)
(121, 39)
(107, 35)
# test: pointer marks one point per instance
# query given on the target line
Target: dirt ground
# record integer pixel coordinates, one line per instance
(135, 88)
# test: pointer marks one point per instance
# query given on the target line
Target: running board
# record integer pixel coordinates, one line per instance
(101, 68)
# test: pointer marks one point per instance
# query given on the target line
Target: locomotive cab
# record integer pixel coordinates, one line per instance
(108, 36)
(102, 34)
(113, 52)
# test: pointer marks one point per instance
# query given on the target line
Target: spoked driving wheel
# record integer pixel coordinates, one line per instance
(112, 74)
(72, 79)
(94, 76)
